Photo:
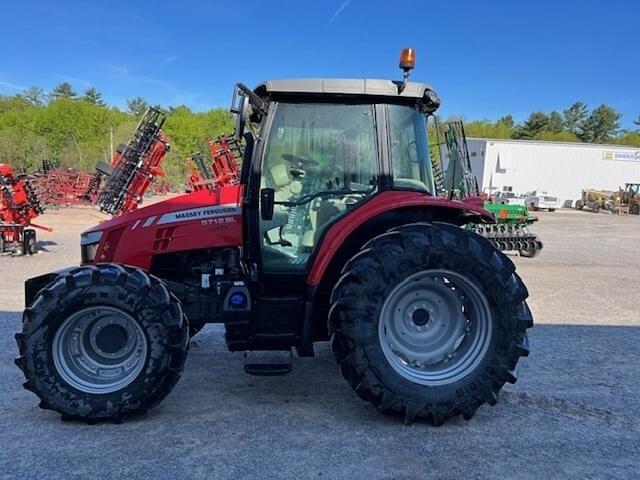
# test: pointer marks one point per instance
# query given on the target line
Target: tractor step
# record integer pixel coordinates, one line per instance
(268, 364)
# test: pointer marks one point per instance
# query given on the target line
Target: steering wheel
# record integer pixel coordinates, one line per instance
(302, 160)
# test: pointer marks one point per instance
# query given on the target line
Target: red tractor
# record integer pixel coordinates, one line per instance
(333, 233)
(19, 205)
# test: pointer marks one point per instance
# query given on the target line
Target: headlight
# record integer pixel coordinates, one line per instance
(89, 246)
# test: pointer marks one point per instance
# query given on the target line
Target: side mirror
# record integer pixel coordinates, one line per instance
(240, 108)
(267, 199)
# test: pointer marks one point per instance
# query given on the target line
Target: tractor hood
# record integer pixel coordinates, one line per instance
(204, 219)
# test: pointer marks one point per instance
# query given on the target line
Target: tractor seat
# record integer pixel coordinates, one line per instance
(410, 183)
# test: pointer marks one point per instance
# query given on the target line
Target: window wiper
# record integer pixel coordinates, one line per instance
(327, 193)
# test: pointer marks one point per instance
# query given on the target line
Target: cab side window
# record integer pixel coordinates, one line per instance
(320, 159)
(409, 149)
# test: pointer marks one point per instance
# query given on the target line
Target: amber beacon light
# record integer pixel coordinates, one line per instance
(407, 63)
(407, 59)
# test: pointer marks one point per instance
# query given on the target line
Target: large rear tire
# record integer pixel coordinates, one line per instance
(429, 321)
(635, 209)
(102, 343)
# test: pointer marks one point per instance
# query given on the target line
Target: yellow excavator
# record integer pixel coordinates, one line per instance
(630, 198)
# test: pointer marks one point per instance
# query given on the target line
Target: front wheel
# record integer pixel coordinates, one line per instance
(102, 343)
(429, 320)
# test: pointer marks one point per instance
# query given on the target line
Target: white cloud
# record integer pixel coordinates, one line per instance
(170, 59)
(11, 86)
(173, 95)
(339, 11)
(119, 69)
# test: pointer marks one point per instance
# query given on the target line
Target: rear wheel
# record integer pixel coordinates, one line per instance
(102, 343)
(429, 321)
(635, 209)
(29, 242)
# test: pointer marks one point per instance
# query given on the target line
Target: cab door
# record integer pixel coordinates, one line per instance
(317, 162)
(320, 161)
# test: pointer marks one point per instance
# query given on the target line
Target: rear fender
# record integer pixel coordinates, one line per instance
(396, 208)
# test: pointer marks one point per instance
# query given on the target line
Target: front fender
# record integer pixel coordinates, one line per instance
(33, 285)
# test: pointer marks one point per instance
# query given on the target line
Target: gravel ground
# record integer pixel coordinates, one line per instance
(573, 413)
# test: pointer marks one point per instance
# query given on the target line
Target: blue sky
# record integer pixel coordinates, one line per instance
(485, 59)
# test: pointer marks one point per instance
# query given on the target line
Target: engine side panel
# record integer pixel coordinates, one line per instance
(201, 220)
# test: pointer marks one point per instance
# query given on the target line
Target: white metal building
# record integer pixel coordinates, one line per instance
(561, 169)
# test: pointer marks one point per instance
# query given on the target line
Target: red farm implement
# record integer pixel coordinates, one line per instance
(19, 204)
(62, 187)
(225, 152)
(224, 170)
(199, 177)
(135, 167)
(161, 188)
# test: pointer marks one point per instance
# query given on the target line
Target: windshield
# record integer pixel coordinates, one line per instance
(321, 147)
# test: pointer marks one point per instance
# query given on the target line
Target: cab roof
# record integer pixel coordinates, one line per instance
(343, 86)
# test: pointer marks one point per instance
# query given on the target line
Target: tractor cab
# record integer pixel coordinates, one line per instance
(321, 148)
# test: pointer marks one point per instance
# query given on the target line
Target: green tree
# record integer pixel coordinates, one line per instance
(487, 129)
(575, 116)
(34, 95)
(556, 136)
(601, 126)
(536, 123)
(507, 121)
(64, 90)
(628, 138)
(93, 96)
(556, 124)
(188, 132)
(137, 106)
